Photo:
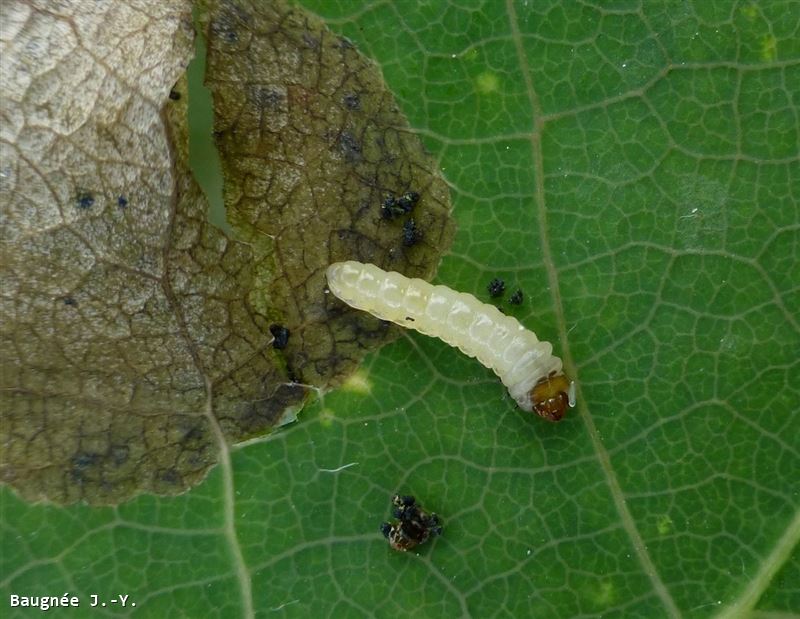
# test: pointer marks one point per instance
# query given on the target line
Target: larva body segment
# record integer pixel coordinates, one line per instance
(525, 365)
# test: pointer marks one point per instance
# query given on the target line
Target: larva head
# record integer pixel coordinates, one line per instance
(552, 395)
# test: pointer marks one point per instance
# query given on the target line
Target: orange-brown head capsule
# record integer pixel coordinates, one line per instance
(552, 395)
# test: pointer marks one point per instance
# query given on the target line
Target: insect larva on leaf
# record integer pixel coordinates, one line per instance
(526, 366)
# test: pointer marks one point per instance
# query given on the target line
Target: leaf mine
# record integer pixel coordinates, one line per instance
(311, 142)
(135, 335)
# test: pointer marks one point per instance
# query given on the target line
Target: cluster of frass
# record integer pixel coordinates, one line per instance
(414, 525)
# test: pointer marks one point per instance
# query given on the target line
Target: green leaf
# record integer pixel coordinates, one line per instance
(633, 167)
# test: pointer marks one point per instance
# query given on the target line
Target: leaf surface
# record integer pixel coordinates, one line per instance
(633, 167)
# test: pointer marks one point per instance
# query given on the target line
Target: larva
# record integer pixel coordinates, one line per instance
(525, 365)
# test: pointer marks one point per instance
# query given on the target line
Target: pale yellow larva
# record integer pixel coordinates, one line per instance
(526, 366)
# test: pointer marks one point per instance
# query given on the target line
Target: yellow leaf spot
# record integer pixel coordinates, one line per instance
(604, 594)
(664, 525)
(750, 11)
(769, 48)
(359, 383)
(487, 82)
(326, 417)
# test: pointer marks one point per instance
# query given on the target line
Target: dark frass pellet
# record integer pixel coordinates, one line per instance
(516, 298)
(390, 209)
(408, 201)
(496, 287)
(281, 335)
(411, 233)
(352, 101)
(414, 525)
(393, 207)
(85, 200)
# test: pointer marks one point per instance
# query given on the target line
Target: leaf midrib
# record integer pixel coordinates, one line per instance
(617, 495)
